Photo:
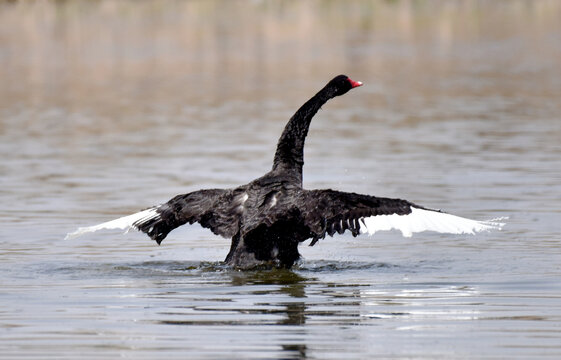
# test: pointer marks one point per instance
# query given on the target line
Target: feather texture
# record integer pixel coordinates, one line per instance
(420, 220)
(268, 217)
(123, 223)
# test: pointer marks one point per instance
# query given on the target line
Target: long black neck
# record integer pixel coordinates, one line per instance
(289, 157)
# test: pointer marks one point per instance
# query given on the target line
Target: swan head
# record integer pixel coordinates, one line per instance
(342, 84)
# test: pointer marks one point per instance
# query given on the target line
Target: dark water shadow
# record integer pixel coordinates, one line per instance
(302, 273)
(201, 295)
(264, 286)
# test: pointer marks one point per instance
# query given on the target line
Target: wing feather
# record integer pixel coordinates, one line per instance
(199, 206)
(328, 212)
(123, 223)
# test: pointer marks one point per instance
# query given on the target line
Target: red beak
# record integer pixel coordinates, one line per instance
(355, 83)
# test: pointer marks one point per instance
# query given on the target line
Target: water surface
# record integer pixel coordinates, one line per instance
(109, 107)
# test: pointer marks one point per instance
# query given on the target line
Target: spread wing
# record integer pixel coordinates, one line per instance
(199, 206)
(327, 212)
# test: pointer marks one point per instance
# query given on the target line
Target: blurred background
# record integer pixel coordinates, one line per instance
(82, 56)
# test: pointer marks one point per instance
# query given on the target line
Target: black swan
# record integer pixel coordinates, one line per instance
(269, 217)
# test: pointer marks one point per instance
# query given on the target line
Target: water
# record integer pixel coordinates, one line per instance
(110, 107)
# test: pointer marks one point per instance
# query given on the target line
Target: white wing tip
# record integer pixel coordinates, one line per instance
(494, 224)
(81, 231)
(124, 223)
(428, 220)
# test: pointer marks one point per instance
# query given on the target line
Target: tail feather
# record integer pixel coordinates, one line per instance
(126, 223)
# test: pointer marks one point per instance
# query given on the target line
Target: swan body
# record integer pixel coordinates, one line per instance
(270, 216)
